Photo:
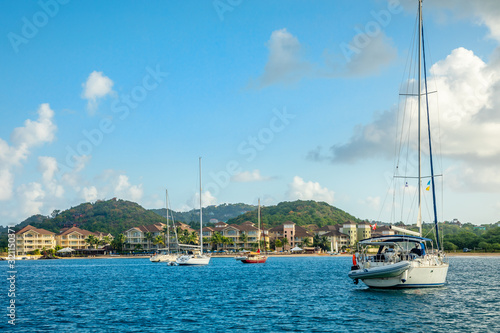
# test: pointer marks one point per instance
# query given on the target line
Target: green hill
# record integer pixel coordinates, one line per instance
(111, 216)
(300, 212)
(221, 212)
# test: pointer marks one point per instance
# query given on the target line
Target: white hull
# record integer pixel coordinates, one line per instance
(420, 274)
(191, 260)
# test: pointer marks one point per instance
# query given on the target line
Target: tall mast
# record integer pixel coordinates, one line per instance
(258, 225)
(419, 219)
(168, 226)
(201, 217)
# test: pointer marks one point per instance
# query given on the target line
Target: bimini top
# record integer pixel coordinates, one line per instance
(395, 239)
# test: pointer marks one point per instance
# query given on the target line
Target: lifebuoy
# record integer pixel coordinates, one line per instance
(354, 263)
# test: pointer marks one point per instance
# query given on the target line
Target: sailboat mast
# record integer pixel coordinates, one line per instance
(168, 225)
(419, 219)
(258, 225)
(201, 217)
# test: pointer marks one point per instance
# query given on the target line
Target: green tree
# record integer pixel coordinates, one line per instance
(306, 242)
(149, 237)
(118, 242)
(284, 242)
(277, 244)
(449, 246)
(92, 241)
(216, 239)
(243, 238)
(158, 240)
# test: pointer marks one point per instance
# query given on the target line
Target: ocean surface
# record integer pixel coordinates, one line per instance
(307, 294)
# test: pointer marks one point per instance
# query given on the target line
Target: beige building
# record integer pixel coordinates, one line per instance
(30, 238)
(137, 236)
(338, 240)
(235, 232)
(74, 237)
(296, 235)
(349, 228)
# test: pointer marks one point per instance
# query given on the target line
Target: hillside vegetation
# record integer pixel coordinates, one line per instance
(221, 212)
(300, 212)
(111, 216)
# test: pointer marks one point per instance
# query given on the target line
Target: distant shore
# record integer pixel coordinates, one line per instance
(231, 256)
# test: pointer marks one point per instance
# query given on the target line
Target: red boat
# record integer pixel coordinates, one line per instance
(254, 258)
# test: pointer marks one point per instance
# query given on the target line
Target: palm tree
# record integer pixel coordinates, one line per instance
(325, 244)
(227, 241)
(158, 240)
(193, 238)
(243, 238)
(92, 240)
(106, 240)
(306, 242)
(148, 236)
(284, 241)
(277, 243)
(216, 239)
(118, 242)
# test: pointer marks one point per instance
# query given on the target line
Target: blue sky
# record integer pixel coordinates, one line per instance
(284, 100)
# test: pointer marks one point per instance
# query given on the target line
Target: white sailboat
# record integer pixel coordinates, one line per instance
(405, 261)
(198, 257)
(165, 254)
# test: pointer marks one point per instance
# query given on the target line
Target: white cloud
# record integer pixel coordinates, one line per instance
(6, 184)
(32, 134)
(484, 12)
(207, 199)
(31, 196)
(285, 63)
(37, 132)
(370, 59)
(90, 193)
(469, 124)
(299, 189)
(48, 167)
(372, 202)
(249, 176)
(96, 87)
(125, 190)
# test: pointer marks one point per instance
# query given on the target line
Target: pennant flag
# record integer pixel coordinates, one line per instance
(428, 186)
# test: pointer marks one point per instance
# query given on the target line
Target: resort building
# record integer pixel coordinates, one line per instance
(235, 234)
(349, 228)
(142, 237)
(183, 226)
(364, 230)
(74, 237)
(295, 235)
(30, 238)
(382, 231)
(338, 240)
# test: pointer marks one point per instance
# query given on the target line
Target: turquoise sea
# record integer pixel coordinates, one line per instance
(308, 294)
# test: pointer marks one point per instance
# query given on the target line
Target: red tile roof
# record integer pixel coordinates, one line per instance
(38, 230)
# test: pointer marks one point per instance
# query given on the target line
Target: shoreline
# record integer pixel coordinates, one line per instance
(232, 256)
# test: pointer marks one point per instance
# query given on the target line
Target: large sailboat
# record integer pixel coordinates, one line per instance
(405, 261)
(196, 257)
(256, 257)
(165, 254)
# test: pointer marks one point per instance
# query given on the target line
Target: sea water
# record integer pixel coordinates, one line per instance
(306, 294)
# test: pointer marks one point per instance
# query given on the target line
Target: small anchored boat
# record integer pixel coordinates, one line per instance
(385, 271)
